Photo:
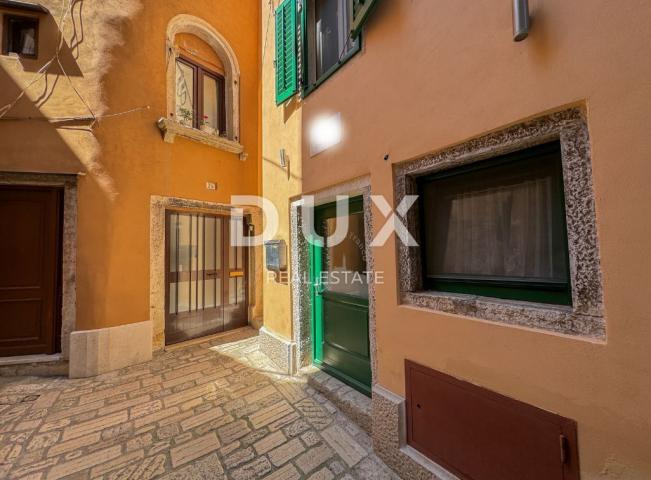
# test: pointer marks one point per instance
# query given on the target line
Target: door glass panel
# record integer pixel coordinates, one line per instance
(173, 230)
(219, 223)
(220, 292)
(210, 243)
(172, 305)
(210, 293)
(183, 266)
(232, 291)
(346, 262)
(240, 289)
(200, 261)
(193, 262)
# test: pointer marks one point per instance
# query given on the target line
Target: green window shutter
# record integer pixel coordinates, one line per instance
(359, 13)
(286, 71)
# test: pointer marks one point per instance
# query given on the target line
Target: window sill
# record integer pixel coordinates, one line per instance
(540, 316)
(171, 129)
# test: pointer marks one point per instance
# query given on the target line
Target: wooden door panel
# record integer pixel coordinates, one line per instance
(340, 299)
(481, 435)
(30, 222)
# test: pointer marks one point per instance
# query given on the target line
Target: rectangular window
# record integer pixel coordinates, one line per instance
(20, 36)
(497, 228)
(200, 97)
(329, 40)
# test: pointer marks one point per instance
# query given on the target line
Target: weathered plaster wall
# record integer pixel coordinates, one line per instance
(435, 74)
(281, 129)
(117, 59)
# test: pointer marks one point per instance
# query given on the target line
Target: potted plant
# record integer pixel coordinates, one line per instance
(185, 116)
(206, 127)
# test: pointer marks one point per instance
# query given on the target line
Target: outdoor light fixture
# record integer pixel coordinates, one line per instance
(325, 132)
(520, 20)
(283, 158)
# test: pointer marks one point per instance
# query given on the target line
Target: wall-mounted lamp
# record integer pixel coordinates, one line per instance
(283, 158)
(521, 20)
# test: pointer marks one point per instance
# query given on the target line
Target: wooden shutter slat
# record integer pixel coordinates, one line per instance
(286, 71)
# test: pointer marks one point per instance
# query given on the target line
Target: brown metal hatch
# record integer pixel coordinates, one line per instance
(478, 434)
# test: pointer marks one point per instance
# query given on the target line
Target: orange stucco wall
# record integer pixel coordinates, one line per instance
(119, 64)
(434, 74)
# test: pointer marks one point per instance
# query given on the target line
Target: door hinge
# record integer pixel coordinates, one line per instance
(564, 447)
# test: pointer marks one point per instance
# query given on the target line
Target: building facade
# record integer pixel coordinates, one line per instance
(461, 232)
(519, 171)
(131, 125)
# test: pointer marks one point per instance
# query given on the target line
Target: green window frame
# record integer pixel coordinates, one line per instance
(360, 10)
(308, 87)
(556, 291)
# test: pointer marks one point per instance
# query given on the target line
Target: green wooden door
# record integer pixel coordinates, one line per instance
(340, 298)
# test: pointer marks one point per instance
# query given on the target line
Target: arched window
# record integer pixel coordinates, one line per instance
(202, 78)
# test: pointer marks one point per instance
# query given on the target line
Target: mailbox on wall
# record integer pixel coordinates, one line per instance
(276, 255)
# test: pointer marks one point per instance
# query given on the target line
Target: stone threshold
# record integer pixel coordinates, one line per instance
(34, 365)
(354, 404)
(27, 359)
(209, 338)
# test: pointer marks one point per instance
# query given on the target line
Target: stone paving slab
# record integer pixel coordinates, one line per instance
(214, 410)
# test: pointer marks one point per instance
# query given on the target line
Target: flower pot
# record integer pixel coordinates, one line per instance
(208, 129)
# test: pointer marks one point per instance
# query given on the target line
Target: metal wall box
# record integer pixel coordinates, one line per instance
(276, 255)
(478, 434)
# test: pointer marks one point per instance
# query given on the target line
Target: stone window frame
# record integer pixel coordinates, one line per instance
(585, 317)
(203, 30)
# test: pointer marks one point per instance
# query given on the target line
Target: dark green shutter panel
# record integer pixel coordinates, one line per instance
(286, 71)
(359, 13)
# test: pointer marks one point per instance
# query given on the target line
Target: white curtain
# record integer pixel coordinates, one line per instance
(498, 231)
(27, 41)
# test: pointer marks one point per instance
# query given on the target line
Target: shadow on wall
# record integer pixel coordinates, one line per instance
(30, 142)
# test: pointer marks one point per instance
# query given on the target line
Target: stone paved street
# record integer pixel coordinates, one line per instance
(210, 410)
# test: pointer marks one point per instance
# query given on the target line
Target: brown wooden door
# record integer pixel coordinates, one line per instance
(205, 277)
(30, 232)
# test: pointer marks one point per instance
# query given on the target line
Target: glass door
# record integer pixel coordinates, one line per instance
(200, 300)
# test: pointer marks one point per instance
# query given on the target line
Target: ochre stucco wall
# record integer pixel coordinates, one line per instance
(434, 74)
(281, 129)
(118, 64)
